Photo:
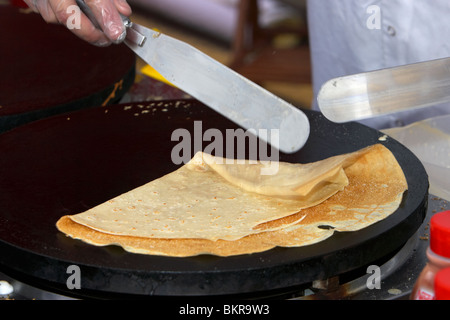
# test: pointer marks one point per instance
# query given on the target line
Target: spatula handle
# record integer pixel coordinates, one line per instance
(88, 12)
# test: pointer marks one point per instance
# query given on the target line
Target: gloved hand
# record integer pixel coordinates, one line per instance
(106, 13)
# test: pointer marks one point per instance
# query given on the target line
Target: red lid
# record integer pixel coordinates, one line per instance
(442, 284)
(440, 234)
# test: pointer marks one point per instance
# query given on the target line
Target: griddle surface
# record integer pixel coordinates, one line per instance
(69, 163)
(47, 70)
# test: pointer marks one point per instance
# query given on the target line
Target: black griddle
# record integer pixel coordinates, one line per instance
(69, 163)
(46, 70)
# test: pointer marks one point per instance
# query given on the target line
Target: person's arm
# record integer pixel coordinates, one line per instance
(106, 12)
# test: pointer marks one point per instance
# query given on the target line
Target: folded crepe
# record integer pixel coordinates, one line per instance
(217, 206)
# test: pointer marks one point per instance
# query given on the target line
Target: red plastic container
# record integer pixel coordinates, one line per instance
(438, 254)
(442, 284)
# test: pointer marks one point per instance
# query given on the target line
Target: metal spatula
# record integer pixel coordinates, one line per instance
(386, 91)
(218, 87)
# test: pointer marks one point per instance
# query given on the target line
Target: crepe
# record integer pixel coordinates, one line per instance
(374, 186)
(215, 198)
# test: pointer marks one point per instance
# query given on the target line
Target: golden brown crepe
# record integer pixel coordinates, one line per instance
(214, 198)
(372, 190)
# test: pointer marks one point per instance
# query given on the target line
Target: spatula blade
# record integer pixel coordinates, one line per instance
(386, 91)
(222, 89)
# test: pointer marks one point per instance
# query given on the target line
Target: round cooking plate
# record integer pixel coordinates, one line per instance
(69, 163)
(47, 70)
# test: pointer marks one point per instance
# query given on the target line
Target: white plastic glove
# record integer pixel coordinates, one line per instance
(106, 12)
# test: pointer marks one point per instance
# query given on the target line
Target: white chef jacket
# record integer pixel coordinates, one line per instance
(354, 36)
